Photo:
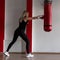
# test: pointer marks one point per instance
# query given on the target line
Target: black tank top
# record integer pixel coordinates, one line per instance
(22, 25)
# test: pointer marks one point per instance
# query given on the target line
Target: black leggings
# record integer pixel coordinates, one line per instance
(23, 36)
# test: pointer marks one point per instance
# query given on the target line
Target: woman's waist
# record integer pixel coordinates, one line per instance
(20, 29)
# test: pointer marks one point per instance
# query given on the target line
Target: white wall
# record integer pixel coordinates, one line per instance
(46, 41)
(13, 10)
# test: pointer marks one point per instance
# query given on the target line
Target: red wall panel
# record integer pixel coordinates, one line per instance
(29, 26)
(2, 8)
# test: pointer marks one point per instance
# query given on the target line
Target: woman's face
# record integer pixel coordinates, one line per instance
(27, 14)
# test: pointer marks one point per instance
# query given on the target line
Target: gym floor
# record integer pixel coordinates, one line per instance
(36, 57)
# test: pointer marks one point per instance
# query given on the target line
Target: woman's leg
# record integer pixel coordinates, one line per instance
(25, 38)
(13, 41)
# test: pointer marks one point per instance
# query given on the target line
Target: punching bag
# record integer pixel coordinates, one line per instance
(47, 15)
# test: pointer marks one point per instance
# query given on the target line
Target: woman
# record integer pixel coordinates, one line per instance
(20, 31)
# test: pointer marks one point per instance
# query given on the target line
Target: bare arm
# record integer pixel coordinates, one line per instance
(31, 18)
(37, 17)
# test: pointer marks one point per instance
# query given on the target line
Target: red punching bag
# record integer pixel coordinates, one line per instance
(48, 15)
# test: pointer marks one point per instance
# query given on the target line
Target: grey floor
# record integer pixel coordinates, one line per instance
(36, 57)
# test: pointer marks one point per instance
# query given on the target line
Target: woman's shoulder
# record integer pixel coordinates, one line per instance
(20, 19)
